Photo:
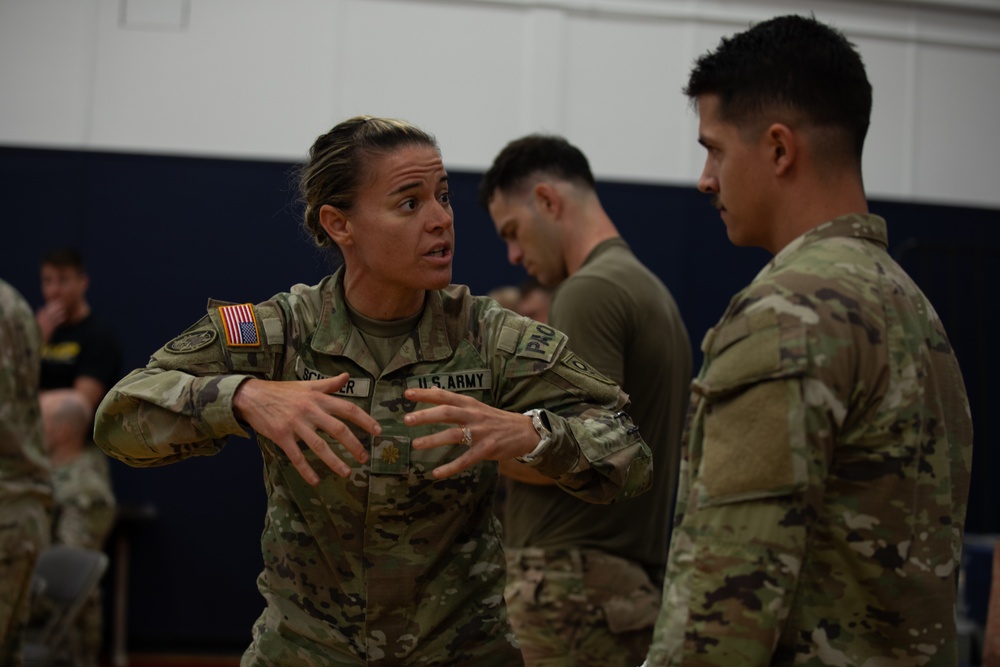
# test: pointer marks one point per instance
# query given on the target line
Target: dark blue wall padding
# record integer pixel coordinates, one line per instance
(163, 234)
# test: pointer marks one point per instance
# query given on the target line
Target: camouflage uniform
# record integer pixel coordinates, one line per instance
(826, 473)
(389, 566)
(25, 482)
(84, 517)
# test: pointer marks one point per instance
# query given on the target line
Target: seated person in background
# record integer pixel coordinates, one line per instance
(78, 350)
(84, 501)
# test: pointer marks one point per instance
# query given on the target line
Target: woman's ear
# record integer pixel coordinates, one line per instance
(336, 224)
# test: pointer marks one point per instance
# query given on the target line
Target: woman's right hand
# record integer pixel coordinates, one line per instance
(294, 412)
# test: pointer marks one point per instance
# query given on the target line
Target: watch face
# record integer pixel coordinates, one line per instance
(539, 424)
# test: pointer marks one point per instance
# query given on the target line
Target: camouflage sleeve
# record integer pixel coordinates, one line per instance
(181, 403)
(755, 470)
(597, 452)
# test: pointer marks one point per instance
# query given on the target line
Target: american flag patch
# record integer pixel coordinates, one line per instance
(240, 324)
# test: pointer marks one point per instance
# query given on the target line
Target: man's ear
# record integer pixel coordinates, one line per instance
(336, 224)
(548, 199)
(783, 146)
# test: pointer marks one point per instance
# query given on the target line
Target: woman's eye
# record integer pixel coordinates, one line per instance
(410, 204)
(445, 197)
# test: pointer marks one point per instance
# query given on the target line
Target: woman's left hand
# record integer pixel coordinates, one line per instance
(490, 433)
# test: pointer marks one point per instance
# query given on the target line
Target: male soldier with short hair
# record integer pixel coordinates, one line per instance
(584, 581)
(823, 491)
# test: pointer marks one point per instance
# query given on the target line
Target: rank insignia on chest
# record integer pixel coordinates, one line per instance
(390, 454)
(240, 324)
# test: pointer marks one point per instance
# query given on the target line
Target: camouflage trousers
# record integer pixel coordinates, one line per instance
(24, 530)
(580, 608)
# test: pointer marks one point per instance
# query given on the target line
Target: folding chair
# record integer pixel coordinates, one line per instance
(69, 574)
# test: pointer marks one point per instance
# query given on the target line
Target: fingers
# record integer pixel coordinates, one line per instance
(340, 432)
(451, 436)
(329, 385)
(295, 415)
(320, 447)
(450, 407)
(295, 456)
(464, 461)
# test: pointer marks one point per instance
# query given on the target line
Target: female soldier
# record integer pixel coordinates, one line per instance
(394, 559)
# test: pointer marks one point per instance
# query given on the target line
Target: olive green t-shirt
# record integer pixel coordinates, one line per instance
(621, 319)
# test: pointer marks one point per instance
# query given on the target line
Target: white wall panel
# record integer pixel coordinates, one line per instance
(244, 78)
(888, 157)
(454, 71)
(46, 68)
(957, 143)
(636, 131)
(261, 78)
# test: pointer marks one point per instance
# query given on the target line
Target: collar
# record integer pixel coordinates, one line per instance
(604, 246)
(335, 335)
(865, 226)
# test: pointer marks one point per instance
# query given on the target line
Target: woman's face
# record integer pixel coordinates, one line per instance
(398, 238)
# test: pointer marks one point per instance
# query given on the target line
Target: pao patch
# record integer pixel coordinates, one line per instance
(191, 342)
(540, 341)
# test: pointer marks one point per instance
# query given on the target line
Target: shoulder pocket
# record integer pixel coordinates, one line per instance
(750, 411)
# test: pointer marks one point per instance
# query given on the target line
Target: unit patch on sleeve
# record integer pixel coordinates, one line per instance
(240, 324)
(190, 342)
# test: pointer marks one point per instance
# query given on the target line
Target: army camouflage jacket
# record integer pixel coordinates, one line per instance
(826, 472)
(389, 566)
(24, 466)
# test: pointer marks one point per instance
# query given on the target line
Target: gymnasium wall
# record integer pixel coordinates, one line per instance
(159, 136)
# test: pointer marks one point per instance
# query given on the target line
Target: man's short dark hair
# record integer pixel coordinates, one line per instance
(793, 63)
(64, 257)
(530, 155)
